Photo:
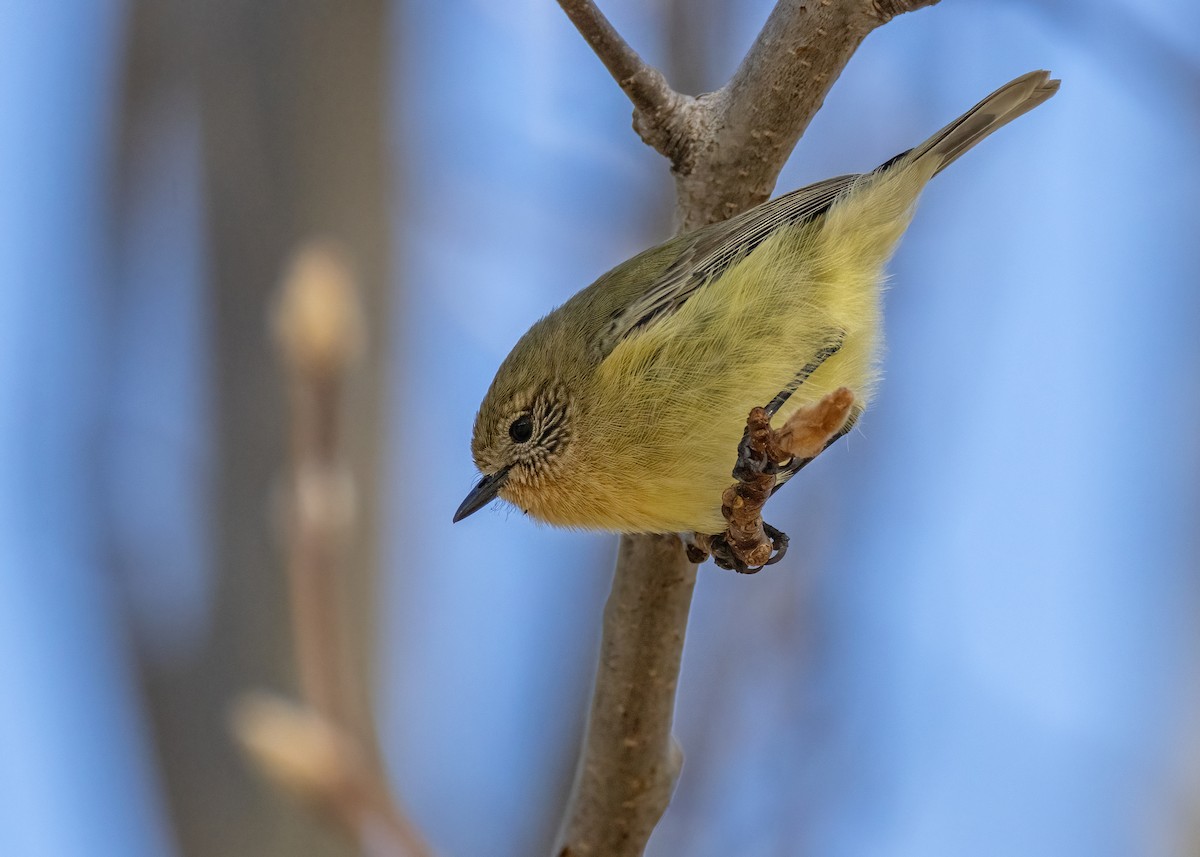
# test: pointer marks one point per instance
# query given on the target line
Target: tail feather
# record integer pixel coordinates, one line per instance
(1014, 99)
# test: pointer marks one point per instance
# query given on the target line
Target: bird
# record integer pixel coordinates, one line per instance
(622, 409)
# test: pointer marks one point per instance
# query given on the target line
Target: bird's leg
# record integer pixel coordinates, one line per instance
(748, 543)
(833, 347)
(765, 455)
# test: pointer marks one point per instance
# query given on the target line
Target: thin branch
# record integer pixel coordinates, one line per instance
(630, 761)
(318, 749)
(319, 329)
(323, 766)
(644, 84)
(658, 110)
(754, 121)
(726, 150)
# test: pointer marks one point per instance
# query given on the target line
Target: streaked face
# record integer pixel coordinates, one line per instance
(517, 445)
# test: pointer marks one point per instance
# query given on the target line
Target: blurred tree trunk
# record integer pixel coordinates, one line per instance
(292, 97)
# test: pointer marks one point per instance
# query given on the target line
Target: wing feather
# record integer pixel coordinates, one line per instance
(715, 248)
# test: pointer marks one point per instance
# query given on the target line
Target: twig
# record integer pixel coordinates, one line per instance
(319, 334)
(644, 84)
(726, 150)
(322, 765)
(316, 749)
(658, 110)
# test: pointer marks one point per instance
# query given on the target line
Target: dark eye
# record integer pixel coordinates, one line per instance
(521, 429)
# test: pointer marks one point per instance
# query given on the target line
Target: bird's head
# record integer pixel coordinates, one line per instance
(524, 429)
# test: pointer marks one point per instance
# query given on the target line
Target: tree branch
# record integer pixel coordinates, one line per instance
(754, 122)
(726, 150)
(630, 761)
(644, 84)
(320, 750)
(659, 112)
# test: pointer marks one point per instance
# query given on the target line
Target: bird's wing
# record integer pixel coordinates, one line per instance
(715, 248)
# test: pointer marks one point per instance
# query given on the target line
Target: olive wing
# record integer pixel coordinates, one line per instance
(713, 249)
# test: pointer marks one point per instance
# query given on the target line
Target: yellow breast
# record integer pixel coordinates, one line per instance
(656, 437)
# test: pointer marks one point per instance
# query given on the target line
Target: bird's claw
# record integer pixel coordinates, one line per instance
(724, 556)
(779, 543)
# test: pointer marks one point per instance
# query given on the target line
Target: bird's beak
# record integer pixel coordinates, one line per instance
(484, 492)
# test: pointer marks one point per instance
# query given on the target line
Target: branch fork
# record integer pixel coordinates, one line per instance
(726, 149)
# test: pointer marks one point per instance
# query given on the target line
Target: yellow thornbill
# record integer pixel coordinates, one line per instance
(622, 409)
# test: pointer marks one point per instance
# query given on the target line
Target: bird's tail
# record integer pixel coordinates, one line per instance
(1015, 98)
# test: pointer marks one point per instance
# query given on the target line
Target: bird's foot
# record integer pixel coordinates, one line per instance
(748, 543)
(728, 556)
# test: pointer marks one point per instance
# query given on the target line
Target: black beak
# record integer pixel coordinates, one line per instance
(484, 492)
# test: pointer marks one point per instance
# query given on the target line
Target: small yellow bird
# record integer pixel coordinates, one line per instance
(622, 409)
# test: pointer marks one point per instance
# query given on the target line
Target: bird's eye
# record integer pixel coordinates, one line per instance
(521, 429)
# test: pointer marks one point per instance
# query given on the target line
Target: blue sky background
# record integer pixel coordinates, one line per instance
(983, 639)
